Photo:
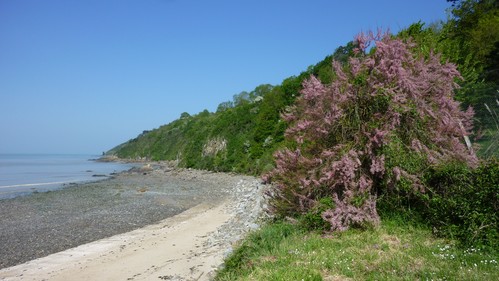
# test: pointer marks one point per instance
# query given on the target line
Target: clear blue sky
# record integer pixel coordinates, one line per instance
(84, 76)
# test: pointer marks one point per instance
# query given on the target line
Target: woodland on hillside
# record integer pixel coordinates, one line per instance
(251, 126)
(405, 122)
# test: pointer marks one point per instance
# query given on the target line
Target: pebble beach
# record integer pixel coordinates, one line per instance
(45, 223)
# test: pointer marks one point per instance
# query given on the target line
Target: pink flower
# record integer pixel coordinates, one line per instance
(388, 100)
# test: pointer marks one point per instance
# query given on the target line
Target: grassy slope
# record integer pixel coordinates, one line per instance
(394, 251)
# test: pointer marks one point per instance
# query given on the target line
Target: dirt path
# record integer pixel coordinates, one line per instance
(176, 248)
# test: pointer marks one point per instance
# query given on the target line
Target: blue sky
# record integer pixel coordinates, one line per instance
(84, 76)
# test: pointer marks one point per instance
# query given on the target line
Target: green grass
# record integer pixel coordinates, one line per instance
(394, 251)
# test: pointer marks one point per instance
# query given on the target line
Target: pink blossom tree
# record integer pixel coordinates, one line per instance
(352, 138)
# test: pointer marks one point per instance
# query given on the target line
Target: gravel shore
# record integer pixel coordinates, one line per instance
(40, 224)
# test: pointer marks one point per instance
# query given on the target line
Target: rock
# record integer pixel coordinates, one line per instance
(247, 207)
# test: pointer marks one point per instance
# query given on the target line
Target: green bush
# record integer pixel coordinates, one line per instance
(313, 219)
(464, 204)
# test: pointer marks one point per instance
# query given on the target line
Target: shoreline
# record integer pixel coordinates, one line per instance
(45, 223)
(176, 248)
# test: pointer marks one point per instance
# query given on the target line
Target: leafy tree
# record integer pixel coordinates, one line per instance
(267, 119)
(225, 105)
(260, 91)
(382, 120)
(468, 41)
(241, 98)
(343, 53)
(473, 33)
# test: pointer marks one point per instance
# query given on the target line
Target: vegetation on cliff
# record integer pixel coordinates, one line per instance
(243, 134)
(375, 128)
(367, 131)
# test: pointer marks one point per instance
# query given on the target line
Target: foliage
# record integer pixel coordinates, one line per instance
(491, 147)
(342, 131)
(240, 137)
(463, 204)
(469, 39)
(313, 219)
(460, 40)
(460, 203)
(397, 250)
(374, 93)
(250, 126)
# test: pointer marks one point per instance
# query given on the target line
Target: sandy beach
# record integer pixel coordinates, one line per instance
(183, 237)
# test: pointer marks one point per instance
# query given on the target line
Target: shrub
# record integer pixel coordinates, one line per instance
(313, 219)
(464, 203)
(382, 120)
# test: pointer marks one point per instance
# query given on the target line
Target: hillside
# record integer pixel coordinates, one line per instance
(242, 135)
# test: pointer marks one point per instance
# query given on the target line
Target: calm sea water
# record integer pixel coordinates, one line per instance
(22, 174)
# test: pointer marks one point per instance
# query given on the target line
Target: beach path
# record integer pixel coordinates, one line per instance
(177, 248)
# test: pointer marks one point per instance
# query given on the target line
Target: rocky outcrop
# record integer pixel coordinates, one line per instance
(214, 146)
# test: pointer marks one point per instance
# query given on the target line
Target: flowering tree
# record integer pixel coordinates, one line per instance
(360, 134)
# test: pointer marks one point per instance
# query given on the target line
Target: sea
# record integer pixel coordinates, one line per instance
(23, 174)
